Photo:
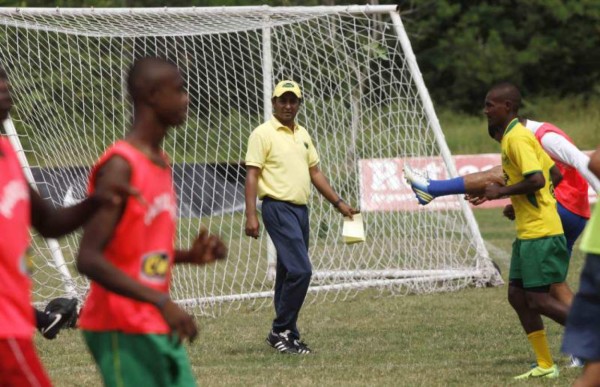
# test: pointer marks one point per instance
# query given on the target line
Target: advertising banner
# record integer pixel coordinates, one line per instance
(383, 187)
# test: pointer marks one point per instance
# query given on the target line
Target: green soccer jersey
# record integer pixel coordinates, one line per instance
(590, 242)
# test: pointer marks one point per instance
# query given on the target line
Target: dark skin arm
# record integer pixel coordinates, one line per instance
(92, 263)
(205, 249)
(251, 189)
(532, 183)
(320, 182)
(53, 222)
(509, 211)
(555, 176)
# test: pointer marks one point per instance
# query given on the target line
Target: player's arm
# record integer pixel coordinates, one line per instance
(205, 249)
(594, 164)
(251, 192)
(55, 222)
(555, 176)
(562, 150)
(322, 185)
(92, 263)
(509, 212)
(533, 182)
(521, 153)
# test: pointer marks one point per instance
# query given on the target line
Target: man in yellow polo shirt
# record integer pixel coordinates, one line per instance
(281, 162)
(540, 257)
(582, 334)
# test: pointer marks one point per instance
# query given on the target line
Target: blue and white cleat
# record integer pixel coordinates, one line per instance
(575, 362)
(418, 184)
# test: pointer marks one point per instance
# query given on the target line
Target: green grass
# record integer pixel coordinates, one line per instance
(470, 337)
(467, 338)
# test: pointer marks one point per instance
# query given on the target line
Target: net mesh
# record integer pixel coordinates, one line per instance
(67, 70)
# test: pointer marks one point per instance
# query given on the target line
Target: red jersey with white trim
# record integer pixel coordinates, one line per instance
(16, 314)
(572, 192)
(142, 246)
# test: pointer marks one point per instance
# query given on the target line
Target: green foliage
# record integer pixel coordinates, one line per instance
(546, 47)
(578, 116)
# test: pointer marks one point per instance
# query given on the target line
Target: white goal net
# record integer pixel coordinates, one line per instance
(365, 105)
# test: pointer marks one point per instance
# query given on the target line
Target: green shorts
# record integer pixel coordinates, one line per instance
(539, 262)
(139, 360)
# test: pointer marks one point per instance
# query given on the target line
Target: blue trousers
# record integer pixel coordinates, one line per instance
(582, 332)
(573, 225)
(287, 225)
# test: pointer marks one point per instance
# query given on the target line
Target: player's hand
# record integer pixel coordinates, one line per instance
(181, 323)
(252, 226)
(117, 193)
(475, 200)
(206, 249)
(509, 212)
(346, 210)
(493, 191)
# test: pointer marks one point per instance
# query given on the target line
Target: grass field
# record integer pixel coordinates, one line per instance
(467, 338)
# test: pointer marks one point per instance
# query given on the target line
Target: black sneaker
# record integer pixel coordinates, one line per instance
(62, 313)
(301, 347)
(281, 342)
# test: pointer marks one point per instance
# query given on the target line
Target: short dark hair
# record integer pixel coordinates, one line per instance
(141, 73)
(3, 74)
(508, 91)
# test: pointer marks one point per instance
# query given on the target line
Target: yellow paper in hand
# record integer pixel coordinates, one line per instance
(353, 230)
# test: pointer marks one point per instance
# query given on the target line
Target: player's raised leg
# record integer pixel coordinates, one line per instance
(473, 184)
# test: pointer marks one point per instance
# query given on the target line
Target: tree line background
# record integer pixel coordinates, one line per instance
(547, 47)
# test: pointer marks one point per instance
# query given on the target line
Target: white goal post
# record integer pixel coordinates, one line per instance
(365, 103)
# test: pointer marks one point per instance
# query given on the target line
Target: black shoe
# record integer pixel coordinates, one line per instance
(62, 313)
(301, 347)
(281, 342)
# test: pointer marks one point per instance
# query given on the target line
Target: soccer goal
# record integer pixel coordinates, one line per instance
(366, 107)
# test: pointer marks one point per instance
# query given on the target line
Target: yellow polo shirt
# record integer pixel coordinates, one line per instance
(284, 157)
(536, 215)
